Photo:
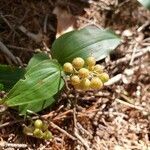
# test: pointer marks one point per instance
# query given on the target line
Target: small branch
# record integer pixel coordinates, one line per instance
(143, 26)
(74, 117)
(76, 133)
(61, 115)
(84, 130)
(137, 55)
(36, 37)
(7, 22)
(19, 48)
(133, 54)
(6, 51)
(45, 24)
(131, 105)
(81, 140)
(63, 131)
(113, 80)
(4, 144)
(10, 123)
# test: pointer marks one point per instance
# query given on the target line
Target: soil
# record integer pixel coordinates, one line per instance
(114, 118)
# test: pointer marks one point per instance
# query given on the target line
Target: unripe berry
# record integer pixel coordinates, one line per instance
(83, 72)
(98, 68)
(90, 68)
(38, 133)
(47, 135)
(104, 77)
(38, 124)
(96, 83)
(68, 67)
(85, 84)
(90, 61)
(78, 63)
(75, 80)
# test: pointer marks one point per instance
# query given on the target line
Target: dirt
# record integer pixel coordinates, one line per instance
(115, 118)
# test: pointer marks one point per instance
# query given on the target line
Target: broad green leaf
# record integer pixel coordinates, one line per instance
(36, 59)
(83, 43)
(1, 87)
(9, 75)
(145, 3)
(41, 83)
(36, 106)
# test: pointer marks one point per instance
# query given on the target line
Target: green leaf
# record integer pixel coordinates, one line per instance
(145, 3)
(9, 75)
(36, 59)
(83, 43)
(1, 87)
(41, 83)
(36, 106)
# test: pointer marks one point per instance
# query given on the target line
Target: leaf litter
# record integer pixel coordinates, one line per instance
(118, 117)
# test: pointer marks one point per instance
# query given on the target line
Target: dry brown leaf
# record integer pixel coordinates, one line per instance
(66, 22)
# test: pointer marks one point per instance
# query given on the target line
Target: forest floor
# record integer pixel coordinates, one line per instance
(115, 118)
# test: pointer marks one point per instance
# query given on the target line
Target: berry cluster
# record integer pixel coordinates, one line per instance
(38, 130)
(85, 75)
(41, 130)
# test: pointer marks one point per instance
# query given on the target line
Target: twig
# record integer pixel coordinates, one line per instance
(113, 80)
(36, 37)
(10, 123)
(81, 140)
(87, 1)
(75, 125)
(19, 48)
(6, 51)
(63, 131)
(4, 144)
(47, 48)
(74, 117)
(137, 55)
(147, 39)
(133, 54)
(62, 115)
(7, 22)
(84, 130)
(131, 105)
(66, 84)
(45, 23)
(143, 26)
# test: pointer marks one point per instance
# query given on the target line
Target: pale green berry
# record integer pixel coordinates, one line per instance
(85, 84)
(68, 68)
(75, 80)
(96, 83)
(104, 77)
(98, 68)
(90, 68)
(78, 63)
(90, 61)
(38, 123)
(38, 133)
(47, 135)
(83, 72)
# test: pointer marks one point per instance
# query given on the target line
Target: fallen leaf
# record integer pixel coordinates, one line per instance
(66, 22)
